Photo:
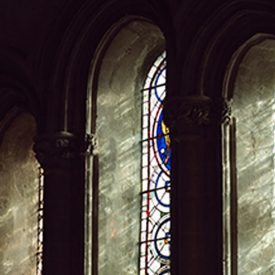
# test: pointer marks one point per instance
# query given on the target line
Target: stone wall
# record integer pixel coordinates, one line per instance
(118, 131)
(18, 198)
(254, 109)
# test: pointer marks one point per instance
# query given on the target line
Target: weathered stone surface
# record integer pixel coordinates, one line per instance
(254, 108)
(18, 198)
(118, 146)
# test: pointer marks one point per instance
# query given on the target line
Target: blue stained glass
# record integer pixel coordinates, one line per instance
(156, 165)
(163, 143)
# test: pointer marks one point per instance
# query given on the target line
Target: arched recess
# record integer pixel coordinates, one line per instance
(65, 63)
(19, 195)
(20, 118)
(221, 29)
(229, 34)
(204, 53)
(65, 58)
(117, 76)
(249, 197)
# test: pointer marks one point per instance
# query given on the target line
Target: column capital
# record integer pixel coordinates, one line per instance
(195, 111)
(60, 148)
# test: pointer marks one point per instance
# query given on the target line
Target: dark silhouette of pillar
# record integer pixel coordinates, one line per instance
(61, 156)
(196, 175)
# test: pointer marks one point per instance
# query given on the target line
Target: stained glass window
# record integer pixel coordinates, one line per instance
(156, 164)
(39, 252)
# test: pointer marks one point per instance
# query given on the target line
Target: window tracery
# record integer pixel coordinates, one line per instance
(156, 165)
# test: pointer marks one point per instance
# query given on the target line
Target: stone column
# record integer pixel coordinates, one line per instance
(62, 157)
(196, 175)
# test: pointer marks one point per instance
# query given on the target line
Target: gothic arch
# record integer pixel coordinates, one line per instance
(248, 84)
(67, 76)
(118, 71)
(62, 143)
(201, 38)
(224, 28)
(236, 60)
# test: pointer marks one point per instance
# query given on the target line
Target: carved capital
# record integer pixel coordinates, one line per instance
(187, 110)
(195, 112)
(60, 148)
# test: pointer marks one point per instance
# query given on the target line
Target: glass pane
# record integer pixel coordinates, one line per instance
(156, 165)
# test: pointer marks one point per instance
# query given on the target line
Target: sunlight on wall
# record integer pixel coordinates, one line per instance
(118, 134)
(18, 198)
(254, 109)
